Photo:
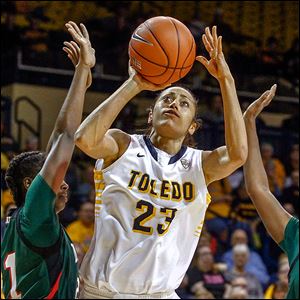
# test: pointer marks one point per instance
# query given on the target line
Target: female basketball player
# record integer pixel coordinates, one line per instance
(37, 257)
(151, 191)
(283, 228)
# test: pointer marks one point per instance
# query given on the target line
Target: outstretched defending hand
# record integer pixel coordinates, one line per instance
(73, 51)
(81, 37)
(255, 108)
(217, 65)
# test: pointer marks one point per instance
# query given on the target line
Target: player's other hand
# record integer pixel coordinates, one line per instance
(143, 84)
(255, 108)
(216, 65)
(73, 52)
(80, 35)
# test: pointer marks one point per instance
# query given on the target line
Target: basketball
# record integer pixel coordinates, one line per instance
(162, 50)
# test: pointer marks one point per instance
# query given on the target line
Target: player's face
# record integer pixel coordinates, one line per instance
(173, 113)
(61, 197)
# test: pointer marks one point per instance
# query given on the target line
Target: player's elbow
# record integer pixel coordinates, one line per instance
(239, 156)
(256, 191)
(80, 140)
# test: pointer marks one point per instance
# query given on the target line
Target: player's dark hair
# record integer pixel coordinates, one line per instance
(26, 164)
(189, 139)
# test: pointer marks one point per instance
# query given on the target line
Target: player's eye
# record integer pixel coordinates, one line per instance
(184, 103)
(168, 99)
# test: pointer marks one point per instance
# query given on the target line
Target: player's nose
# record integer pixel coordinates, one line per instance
(174, 104)
(64, 186)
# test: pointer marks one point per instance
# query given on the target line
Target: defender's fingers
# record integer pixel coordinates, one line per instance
(206, 44)
(209, 36)
(76, 28)
(76, 47)
(84, 31)
(214, 36)
(220, 44)
(70, 46)
(74, 34)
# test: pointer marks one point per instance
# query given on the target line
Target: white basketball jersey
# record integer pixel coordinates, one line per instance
(148, 219)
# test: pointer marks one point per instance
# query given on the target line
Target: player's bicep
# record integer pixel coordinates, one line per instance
(57, 161)
(110, 146)
(217, 164)
(39, 222)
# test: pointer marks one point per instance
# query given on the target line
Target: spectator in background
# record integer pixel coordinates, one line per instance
(271, 58)
(10, 39)
(34, 39)
(238, 289)
(240, 260)
(291, 59)
(274, 169)
(290, 195)
(215, 113)
(254, 264)
(244, 215)
(236, 178)
(280, 287)
(292, 164)
(216, 218)
(81, 231)
(213, 118)
(204, 276)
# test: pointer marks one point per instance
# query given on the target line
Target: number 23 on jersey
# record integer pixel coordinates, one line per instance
(148, 212)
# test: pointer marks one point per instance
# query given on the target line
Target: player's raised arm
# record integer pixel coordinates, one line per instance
(224, 160)
(61, 144)
(273, 215)
(93, 136)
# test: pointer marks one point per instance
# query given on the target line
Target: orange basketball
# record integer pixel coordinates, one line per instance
(162, 50)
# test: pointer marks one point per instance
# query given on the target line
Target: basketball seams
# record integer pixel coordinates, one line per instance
(148, 27)
(146, 59)
(187, 57)
(178, 51)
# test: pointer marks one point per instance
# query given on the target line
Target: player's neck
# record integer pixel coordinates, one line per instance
(171, 146)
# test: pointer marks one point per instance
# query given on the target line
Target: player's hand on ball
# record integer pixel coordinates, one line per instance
(81, 37)
(255, 108)
(143, 84)
(73, 51)
(216, 65)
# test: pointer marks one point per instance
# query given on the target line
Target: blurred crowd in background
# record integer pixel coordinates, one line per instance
(235, 258)
(258, 44)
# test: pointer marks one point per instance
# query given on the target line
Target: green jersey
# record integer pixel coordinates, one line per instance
(38, 259)
(290, 245)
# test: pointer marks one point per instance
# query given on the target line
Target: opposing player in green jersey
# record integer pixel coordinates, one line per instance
(283, 227)
(38, 259)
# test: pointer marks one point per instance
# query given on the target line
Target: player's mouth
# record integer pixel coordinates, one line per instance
(63, 196)
(171, 112)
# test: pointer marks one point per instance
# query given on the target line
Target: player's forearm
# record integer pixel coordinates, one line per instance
(92, 130)
(70, 114)
(254, 171)
(271, 212)
(235, 132)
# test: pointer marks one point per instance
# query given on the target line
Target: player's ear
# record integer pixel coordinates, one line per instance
(193, 128)
(150, 117)
(26, 182)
